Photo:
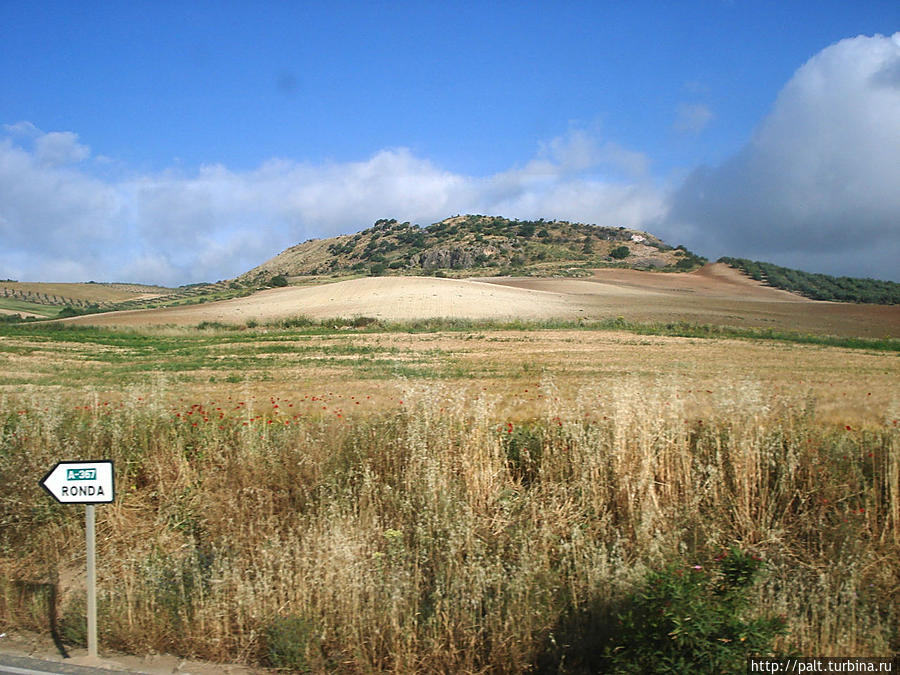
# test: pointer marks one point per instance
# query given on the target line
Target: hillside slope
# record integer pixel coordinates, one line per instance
(819, 286)
(77, 294)
(475, 245)
(714, 295)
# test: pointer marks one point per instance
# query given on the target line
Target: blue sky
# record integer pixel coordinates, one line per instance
(176, 142)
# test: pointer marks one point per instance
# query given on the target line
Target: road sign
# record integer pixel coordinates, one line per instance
(81, 482)
(85, 483)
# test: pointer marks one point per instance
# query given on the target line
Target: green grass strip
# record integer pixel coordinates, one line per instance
(29, 307)
(147, 342)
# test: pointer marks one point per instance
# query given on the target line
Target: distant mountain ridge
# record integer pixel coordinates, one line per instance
(474, 245)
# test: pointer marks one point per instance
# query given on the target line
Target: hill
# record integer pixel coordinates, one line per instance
(819, 286)
(474, 245)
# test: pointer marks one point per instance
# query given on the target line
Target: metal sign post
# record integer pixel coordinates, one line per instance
(87, 483)
(91, 579)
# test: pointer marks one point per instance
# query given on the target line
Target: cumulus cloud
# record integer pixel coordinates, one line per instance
(818, 186)
(50, 149)
(22, 129)
(59, 222)
(60, 147)
(579, 151)
(49, 207)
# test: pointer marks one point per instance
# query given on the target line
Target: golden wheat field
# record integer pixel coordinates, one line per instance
(475, 499)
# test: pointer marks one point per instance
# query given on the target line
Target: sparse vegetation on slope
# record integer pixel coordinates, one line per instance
(77, 295)
(473, 245)
(819, 286)
(59, 301)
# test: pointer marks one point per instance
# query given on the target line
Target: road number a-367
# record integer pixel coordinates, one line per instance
(81, 482)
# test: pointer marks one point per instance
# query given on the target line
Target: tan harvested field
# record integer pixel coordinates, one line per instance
(390, 298)
(848, 386)
(87, 292)
(715, 294)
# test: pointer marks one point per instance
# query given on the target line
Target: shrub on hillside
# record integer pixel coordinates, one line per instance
(69, 311)
(526, 229)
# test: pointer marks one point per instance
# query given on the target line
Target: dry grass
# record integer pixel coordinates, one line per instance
(442, 535)
(850, 386)
(478, 514)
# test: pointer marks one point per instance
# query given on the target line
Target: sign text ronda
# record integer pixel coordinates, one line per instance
(81, 482)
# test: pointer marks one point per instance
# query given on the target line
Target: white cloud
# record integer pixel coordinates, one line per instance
(819, 183)
(62, 223)
(692, 118)
(579, 151)
(574, 177)
(22, 129)
(49, 207)
(60, 147)
(50, 149)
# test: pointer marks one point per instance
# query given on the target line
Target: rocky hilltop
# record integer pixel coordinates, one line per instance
(474, 245)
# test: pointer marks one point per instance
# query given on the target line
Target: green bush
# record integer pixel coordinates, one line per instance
(69, 311)
(363, 321)
(279, 281)
(523, 446)
(297, 322)
(291, 644)
(620, 252)
(694, 619)
(73, 622)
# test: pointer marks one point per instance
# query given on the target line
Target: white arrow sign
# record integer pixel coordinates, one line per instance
(81, 482)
